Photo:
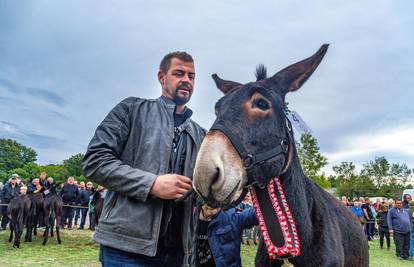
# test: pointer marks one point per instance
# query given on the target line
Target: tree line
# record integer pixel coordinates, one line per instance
(378, 177)
(20, 159)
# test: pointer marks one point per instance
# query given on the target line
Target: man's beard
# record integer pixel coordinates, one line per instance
(180, 99)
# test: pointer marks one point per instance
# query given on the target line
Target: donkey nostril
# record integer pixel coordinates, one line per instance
(215, 176)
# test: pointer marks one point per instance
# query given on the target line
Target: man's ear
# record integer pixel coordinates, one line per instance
(161, 77)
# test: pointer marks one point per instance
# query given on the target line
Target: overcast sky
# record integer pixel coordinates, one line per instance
(65, 64)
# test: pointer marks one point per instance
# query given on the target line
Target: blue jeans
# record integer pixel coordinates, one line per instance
(412, 243)
(111, 257)
(77, 215)
(83, 212)
(369, 230)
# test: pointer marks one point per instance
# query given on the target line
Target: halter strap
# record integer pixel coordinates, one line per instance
(251, 160)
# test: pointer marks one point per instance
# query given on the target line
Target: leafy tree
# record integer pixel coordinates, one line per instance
(3, 177)
(14, 155)
(349, 183)
(377, 170)
(390, 178)
(73, 165)
(32, 170)
(312, 160)
(57, 171)
(377, 178)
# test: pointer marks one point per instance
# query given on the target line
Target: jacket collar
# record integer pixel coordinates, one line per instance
(171, 104)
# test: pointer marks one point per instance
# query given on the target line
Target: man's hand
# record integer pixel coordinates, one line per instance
(170, 186)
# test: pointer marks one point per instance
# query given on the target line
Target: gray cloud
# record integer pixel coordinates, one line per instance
(37, 141)
(46, 95)
(9, 86)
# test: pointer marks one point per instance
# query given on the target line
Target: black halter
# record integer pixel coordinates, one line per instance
(251, 160)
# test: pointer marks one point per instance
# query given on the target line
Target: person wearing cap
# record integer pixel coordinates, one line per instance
(10, 190)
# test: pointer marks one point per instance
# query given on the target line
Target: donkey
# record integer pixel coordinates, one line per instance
(52, 212)
(251, 145)
(35, 213)
(18, 211)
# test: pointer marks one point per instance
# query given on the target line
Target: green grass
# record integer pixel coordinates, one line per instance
(78, 249)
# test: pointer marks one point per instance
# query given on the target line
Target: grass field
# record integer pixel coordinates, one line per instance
(78, 249)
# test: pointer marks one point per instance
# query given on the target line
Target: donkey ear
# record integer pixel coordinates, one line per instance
(223, 85)
(294, 76)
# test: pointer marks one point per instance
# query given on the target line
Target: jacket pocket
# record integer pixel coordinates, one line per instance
(110, 205)
(225, 234)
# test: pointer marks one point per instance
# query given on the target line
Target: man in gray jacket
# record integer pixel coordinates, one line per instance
(144, 153)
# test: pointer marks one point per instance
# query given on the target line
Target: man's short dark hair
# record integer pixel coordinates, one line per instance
(181, 55)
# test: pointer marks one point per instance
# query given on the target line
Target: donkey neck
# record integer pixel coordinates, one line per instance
(294, 184)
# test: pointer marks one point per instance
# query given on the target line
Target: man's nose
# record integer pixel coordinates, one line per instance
(186, 78)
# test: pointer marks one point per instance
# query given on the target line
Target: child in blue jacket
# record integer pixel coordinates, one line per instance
(219, 235)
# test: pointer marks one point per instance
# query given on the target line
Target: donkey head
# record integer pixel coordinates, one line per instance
(251, 140)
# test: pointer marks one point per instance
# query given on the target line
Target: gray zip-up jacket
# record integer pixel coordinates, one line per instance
(130, 148)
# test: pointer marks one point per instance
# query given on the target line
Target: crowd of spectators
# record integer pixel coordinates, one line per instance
(387, 218)
(78, 199)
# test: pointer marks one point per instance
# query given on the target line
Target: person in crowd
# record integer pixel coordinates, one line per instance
(247, 203)
(345, 201)
(69, 196)
(357, 210)
(411, 214)
(369, 219)
(377, 204)
(96, 205)
(91, 190)
(383, 226)
(219, 235)
(42, 178)
(83, 201)
(145, 171)
(406, 201)
(390, 203)
(34, 186)
(89, 187)
(399, 225)
(76, 211)
(10, 190)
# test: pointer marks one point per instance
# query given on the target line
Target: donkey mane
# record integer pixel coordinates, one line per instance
(261, 72)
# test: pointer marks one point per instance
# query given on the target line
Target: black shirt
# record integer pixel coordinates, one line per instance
(367, 207)
(171, 222)
(204, 255)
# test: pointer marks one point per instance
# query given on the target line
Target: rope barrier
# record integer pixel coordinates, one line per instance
(67, 206)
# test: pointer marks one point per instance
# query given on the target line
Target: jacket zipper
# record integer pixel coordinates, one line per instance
(162, 202)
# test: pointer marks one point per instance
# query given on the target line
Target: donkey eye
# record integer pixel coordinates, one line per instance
(262, 104)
